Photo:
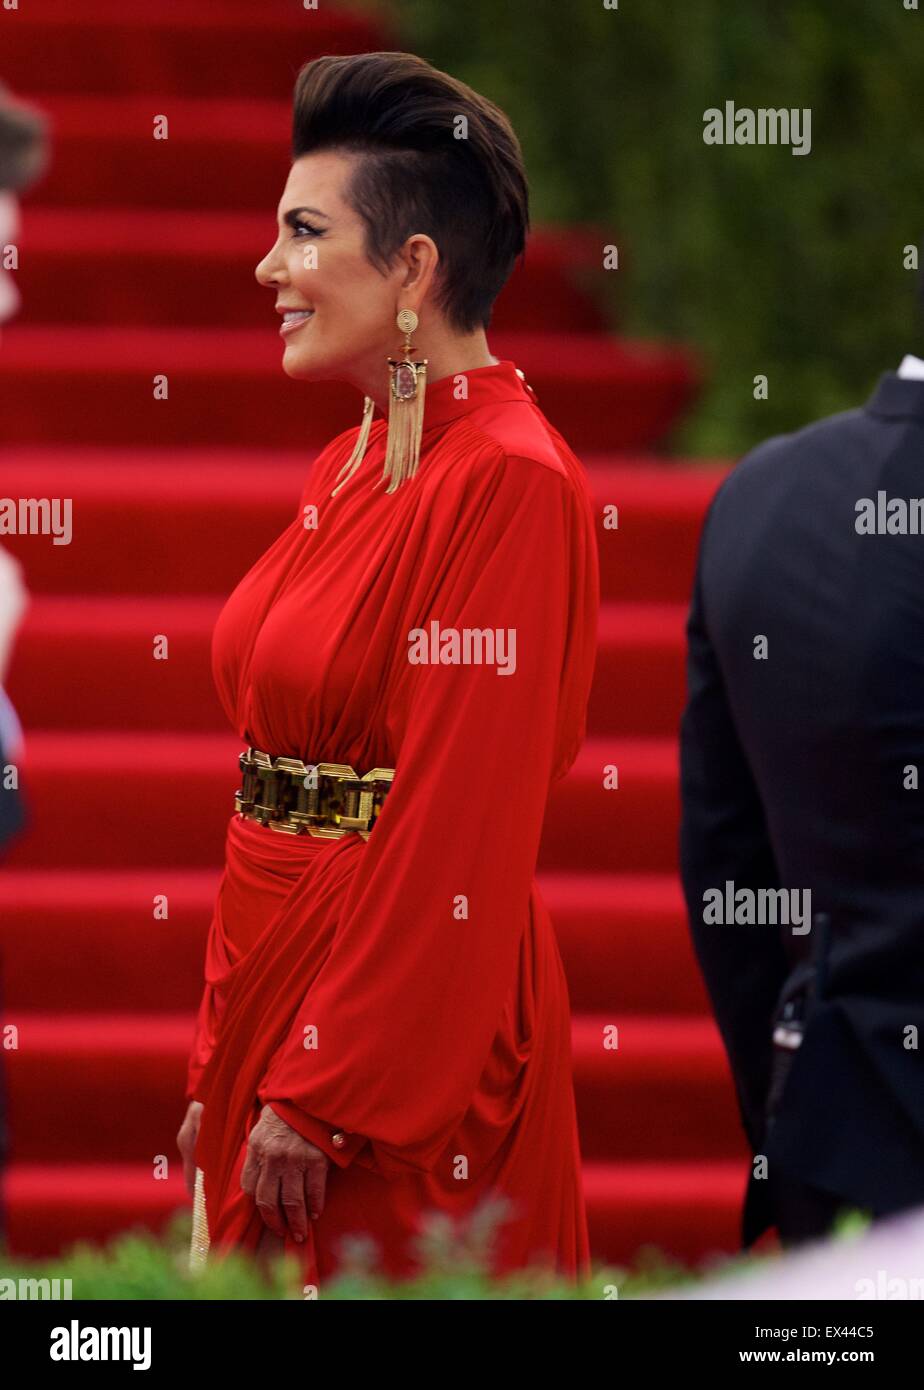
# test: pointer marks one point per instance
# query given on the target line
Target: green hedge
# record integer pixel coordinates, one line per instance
(138, 1265)
(763, 261)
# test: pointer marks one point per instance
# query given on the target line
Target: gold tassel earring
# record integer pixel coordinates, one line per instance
(359, 448)
(407, 386)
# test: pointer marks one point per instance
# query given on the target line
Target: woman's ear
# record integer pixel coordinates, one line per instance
(421, 259)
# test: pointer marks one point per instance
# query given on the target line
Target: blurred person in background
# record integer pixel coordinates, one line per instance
(22, 158)
(23, 151)
(802, 748)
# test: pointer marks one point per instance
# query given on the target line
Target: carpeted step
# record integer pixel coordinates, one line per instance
(106, 156)
(153, 521)
(632, 825)
(624, 941)
(148, 266)
(51, 1206)
(101, 799)
(228, 387)
(68, 648)
(653, 1087)
(106, 47)
(106, 1087)
(84, 941)
(639, 681)
(146, 521)
(106, 800)
(110, 1087)
(650, 554)
(689, 1211)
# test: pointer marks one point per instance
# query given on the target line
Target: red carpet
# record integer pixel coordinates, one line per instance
(172, 501)
(597, 391)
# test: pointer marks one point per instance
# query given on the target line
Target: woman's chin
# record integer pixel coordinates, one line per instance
(311, 366)
(301, 366)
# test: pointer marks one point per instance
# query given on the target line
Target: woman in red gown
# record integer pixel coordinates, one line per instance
(384, 1033)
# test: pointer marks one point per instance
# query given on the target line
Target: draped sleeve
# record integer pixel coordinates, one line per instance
(425, 955)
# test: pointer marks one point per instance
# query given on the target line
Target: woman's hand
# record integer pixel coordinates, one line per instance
(186, 1143)
(284, 1174)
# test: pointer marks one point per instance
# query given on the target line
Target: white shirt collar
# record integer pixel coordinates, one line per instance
(912, 368)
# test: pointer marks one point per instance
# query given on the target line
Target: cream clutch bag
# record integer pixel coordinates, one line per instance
(199, 1245)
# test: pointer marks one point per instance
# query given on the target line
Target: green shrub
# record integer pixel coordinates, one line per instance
(764, 262)
(138, 1265)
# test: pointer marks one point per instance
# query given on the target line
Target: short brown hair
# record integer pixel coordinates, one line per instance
(23, 143)
(469, 194)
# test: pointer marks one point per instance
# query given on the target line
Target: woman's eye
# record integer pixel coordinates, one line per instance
(306, 227)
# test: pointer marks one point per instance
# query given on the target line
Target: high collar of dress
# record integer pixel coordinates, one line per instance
(458, 393)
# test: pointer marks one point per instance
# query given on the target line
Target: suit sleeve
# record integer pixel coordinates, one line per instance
(724, 836)
(410, 997)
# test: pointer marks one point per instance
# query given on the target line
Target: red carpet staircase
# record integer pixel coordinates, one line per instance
(137, 259)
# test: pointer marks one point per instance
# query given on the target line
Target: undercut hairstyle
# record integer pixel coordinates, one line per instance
(435, 157)
(23, 143)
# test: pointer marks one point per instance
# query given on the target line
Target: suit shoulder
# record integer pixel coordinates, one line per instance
(774, 458)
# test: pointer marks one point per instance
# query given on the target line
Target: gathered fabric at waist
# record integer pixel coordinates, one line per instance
(261, 870)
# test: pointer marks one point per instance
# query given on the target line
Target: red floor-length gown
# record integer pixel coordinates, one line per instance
(424, 958)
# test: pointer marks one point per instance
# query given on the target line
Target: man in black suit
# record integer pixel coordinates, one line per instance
(802, 769)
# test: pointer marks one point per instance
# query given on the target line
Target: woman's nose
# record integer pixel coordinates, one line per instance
(269, 270)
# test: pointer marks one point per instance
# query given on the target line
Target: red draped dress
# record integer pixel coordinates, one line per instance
(421, 963)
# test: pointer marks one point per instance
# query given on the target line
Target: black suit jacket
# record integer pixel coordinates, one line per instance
(798, 771)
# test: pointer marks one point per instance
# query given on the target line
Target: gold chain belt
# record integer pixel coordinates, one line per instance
(327, 800)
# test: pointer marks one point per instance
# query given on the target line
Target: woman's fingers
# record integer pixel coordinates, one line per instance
(292, 1195)
(186, 1143)
(287, 1193)
(267, 1197)
(250, 1171)
(284, 1175)
(189, 1172)
(316, 1185)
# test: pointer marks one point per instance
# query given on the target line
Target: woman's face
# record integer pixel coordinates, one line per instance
(319, 270)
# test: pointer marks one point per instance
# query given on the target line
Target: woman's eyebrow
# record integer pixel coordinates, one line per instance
(291, 217)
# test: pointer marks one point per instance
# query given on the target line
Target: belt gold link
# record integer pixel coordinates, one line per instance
(327, 800)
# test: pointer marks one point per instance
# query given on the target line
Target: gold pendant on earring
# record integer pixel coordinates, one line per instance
(406, 391)
(359, 448)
